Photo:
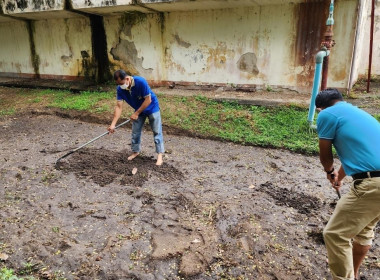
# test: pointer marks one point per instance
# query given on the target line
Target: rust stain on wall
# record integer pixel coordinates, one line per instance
(218, 56)
(177, 66)
(18, 67)
(311, 26)
(339, 74)
(248, 63)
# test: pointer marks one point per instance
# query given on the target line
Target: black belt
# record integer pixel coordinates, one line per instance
(364, 175)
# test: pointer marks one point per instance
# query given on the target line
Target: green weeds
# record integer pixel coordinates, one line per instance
(280, 127)
(7, 112)
(9, 274)
(284, 127)
(27, 271)
(85, 101)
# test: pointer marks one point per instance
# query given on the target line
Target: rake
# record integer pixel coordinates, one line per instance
(89, 142)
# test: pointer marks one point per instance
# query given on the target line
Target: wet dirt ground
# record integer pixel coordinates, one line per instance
(214, 210)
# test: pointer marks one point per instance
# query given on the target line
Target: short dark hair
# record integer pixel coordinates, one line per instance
(326, 98)
(119, 74)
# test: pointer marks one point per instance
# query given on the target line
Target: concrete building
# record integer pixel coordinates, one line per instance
(240, 43)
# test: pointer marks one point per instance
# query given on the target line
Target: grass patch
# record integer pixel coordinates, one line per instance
(36, 100)
(9, 274)
(284, 127)
(84, 101)
(280, 127)
(7, 112)
(29, 272)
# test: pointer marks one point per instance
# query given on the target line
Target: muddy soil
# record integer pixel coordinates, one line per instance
(214, 210)
(102, 167)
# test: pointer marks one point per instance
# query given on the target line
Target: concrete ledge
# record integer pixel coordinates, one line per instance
(29, 77)
(36, 9)
(101, 7)
(186, 5)
(12, 7)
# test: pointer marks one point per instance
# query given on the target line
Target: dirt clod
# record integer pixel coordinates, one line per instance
(305, 204)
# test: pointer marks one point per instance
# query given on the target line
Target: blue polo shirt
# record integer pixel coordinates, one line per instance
(355, 135)
(137, 94)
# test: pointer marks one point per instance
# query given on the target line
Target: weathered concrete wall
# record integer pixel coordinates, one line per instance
(344, 35)
(46, 48)
(64, 47)
(363, 51)
(15, 51)
(254, 43)
(135, 44)
(261, 45)
(236, 46)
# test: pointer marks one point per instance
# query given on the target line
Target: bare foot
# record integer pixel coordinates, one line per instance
(159, 159)
(133, 155)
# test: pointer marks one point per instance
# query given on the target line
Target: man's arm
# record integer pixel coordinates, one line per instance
(143, 106)
(327, 160)
(116, 115)
(325, 154)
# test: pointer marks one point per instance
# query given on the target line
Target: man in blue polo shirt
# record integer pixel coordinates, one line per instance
(355, 135)
(137, 93)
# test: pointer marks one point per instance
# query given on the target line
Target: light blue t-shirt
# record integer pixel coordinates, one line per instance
(355, 135)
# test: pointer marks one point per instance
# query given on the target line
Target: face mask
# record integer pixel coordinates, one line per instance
(125, 86)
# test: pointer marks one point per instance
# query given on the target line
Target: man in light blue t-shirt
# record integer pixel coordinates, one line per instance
(136, 92)
(355, 135)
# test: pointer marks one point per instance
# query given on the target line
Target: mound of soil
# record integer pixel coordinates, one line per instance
(104, 166)
(290, 198)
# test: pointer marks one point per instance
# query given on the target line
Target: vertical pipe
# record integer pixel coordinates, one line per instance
(328, 43)
(321, 55)
(316, 83)
(325, 71)
(371, 44)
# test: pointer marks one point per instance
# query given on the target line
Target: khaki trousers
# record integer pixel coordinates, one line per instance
(354, 218)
